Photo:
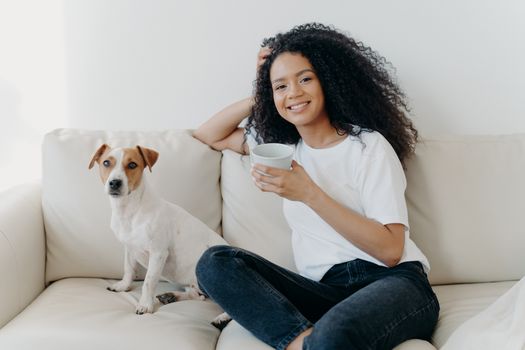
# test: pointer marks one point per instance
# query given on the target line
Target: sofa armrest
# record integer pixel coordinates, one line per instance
(22, 249)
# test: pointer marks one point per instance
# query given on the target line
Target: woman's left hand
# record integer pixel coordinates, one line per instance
(293, 184)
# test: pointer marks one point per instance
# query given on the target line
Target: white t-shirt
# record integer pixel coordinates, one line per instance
(362, 173)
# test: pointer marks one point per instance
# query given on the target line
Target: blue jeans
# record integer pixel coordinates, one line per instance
(356, 305)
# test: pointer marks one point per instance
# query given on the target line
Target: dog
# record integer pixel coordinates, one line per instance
(159, 235)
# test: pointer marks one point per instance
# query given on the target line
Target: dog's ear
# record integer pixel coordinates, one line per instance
(149, 155)
(100, 151)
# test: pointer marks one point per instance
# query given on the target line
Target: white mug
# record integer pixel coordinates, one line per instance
(276, 155)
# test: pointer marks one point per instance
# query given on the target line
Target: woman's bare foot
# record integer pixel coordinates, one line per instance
(297, 343)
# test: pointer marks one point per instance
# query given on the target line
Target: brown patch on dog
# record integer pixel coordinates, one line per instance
(101, 156)
(98, 154)
(106, 170)
(133, 164)
(150, 156)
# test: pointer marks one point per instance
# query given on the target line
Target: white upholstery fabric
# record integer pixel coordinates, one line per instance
(22, 249)
(465, 200)
(415, 344)
(252, 219)
(466, 204)
(81, 314)
(462, 301)
(234, 337)
(80, 242)
(460, 190)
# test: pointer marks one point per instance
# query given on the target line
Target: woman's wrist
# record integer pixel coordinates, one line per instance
(314, 195)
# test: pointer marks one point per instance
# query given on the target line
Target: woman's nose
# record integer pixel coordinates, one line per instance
(295, 90)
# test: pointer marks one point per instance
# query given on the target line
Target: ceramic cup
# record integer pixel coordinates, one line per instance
(276, 155)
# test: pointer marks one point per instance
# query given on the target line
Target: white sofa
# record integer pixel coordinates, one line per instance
(466, 201)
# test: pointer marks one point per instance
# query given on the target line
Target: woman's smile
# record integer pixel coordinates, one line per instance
(298, 107)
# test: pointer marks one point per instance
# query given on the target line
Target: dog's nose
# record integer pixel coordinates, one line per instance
(115, 184)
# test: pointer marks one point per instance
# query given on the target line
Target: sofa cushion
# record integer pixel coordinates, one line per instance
(458, 303)
(461, 190)
(461, 302)
(76, 210)
(252, 219)
(79, 313)
(234, 336)
(466, 202)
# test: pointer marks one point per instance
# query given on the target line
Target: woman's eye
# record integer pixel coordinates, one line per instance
(305, 79)
(132, 165)
(279, 87)
(106, 163)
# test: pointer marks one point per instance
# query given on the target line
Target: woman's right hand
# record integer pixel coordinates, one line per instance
(222, 130)
(264, 52)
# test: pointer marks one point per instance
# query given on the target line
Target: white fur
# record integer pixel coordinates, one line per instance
(161, 236)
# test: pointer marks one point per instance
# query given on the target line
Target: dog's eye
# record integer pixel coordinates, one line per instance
(132, 165)
(106, 163)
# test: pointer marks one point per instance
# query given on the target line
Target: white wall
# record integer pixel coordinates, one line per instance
(165, 64)
(32, 83)
(156, 64)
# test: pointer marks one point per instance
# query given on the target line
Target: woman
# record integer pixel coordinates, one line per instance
(362, 282)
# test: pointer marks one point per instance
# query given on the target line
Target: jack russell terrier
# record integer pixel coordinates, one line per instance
(159, 235)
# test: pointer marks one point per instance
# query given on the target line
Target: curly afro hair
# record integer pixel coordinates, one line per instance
(360, 94)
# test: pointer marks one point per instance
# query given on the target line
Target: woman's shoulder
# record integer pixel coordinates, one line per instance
(373, 142)
(375, 149)
(370, 137)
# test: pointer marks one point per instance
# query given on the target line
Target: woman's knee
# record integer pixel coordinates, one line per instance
(211, 261)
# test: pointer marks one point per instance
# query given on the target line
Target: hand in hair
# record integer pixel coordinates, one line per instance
(264, 52)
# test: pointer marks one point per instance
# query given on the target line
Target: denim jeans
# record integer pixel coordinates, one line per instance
(356, 305)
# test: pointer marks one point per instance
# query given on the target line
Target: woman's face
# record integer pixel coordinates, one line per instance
(297, 92)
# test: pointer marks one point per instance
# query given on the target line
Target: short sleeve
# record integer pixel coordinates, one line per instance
(251, 138)
(383, 183)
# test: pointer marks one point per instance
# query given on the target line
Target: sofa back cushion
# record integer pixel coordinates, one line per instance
(465, 196)
(252, 219)
(466, 201)
(76, 210)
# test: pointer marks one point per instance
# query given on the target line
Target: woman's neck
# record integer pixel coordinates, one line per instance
(321, 137)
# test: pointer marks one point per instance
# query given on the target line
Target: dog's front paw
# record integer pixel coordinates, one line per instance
(189, 293)
(167, 298)
(145, 305)
(221, 321)
(120, 286)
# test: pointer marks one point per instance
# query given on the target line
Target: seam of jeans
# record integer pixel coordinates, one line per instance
(305, 324)
(269, 288)
(261, 281)
(393, 325)
(354, 271)
(280, 298)
(348, 276)
(274, 292)
(292, 335)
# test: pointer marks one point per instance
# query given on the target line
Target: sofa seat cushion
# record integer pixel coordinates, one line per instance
(460, 302)
(79, 313)
(234, 336)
